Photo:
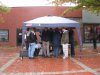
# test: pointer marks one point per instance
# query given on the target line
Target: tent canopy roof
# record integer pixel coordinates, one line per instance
(51, 21)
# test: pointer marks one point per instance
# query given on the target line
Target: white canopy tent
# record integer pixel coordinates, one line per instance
(52, 22)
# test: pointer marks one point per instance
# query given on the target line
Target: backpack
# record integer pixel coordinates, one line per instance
(32, 37)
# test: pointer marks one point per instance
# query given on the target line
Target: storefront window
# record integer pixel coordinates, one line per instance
(3, 35)
(98, 33)
(90, 31)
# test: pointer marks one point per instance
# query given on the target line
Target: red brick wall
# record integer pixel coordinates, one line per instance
(18, 15)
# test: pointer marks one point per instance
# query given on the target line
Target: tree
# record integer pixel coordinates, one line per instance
(3, 10)
(90, 5)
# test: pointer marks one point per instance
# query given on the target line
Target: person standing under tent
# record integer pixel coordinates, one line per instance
(38, 35)
(71, 42)
(38, 45)
(45, 37)
(56, 41)
(64, 42)
(32, 43)
(51, 36)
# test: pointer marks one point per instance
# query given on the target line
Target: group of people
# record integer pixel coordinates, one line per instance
(57, 39)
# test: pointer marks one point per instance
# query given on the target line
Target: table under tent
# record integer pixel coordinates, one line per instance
(52, 22)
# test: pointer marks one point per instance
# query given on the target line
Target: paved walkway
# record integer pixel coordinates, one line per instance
(85, 63)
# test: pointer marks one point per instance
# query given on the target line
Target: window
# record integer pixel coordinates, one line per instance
(98, 33)
(90, 31)
(4, 35)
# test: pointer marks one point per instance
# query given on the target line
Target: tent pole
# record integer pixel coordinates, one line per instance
(80, 40)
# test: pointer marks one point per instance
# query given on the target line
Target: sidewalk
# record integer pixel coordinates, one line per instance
(85, 63)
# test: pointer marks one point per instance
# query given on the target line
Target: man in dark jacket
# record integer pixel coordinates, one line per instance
(71, 42)
(45, 37)
(56, 41)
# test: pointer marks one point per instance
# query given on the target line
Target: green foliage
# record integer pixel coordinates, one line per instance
(90, 5)
(3, 10)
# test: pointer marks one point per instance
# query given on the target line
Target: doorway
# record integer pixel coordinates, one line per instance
(19, 36)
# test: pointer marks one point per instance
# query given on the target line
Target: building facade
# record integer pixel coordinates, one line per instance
(91, 26)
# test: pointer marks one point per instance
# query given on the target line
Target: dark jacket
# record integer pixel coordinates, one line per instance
(51, 34)
(71, 36)
(56, 38)
(45, 36)
(32, 38)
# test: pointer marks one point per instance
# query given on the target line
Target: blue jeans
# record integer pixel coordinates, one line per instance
(31, 50)
(56, 51)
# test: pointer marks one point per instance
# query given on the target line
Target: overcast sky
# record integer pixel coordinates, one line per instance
(21, 3)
